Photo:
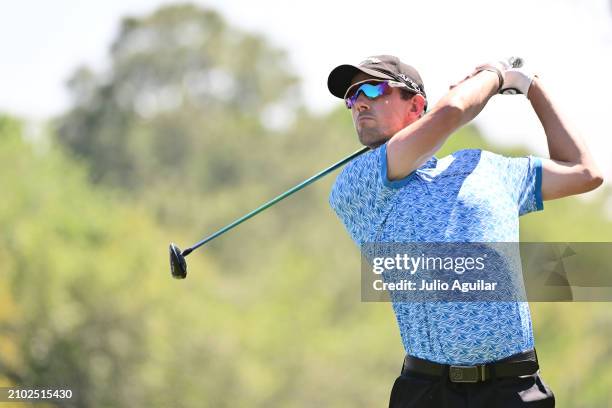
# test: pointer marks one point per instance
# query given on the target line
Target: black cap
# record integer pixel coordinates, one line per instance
(378, 66)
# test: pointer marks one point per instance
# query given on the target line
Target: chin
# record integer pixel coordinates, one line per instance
(376, 144)
(372, 141)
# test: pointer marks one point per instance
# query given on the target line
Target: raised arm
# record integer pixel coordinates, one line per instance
(571, 168)
(418, 142)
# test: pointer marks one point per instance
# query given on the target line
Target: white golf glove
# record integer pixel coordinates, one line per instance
(514, 77)
(501, 67)
(517, 81)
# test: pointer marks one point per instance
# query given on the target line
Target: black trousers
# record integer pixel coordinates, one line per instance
(415, 390)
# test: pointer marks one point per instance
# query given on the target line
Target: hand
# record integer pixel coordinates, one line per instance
(499, 67)
(517, 81)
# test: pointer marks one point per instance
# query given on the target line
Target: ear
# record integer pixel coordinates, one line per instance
(417, 104)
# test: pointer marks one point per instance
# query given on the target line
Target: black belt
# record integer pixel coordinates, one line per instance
(524, 363)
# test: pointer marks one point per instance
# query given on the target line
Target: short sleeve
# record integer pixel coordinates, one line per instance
(522, 176)
(360, 198)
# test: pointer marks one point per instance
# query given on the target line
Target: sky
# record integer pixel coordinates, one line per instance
(568, 43)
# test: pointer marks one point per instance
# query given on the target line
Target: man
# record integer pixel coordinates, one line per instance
(400, 192)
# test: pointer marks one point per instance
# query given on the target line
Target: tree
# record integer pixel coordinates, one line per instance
(181, 80)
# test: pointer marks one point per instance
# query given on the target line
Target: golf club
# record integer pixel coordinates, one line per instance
(178, 265)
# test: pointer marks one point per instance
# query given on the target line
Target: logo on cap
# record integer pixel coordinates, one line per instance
(414, 84)
(404, 77)
(370, 60)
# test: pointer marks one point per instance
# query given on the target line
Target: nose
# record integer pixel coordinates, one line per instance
(362, 103)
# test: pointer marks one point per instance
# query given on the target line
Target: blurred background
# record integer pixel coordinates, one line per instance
(125, 125)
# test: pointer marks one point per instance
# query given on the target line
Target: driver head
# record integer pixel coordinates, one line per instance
(178, 266)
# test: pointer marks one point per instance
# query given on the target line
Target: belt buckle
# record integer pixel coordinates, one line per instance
(463, 374)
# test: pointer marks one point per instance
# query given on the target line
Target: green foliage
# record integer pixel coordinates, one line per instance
(60, 243)
(83, 278)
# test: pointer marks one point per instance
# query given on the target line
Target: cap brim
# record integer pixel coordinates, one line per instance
(340, 78)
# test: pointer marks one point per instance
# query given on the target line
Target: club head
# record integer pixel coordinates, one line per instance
(178, 265)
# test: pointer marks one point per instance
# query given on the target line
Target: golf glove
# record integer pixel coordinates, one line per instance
(517, 81)
(500, 68)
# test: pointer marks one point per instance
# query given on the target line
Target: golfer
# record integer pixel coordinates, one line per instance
(400, 192)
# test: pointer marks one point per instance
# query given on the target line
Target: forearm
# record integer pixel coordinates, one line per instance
(564, 144)
(571, 168)
(415, 144)
(472, 95)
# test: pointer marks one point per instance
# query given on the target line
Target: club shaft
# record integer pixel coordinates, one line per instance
(275, 200)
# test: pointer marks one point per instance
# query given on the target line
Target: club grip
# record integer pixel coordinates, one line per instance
(515, 62)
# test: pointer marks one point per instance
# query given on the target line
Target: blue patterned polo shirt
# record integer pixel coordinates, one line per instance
(471, 195)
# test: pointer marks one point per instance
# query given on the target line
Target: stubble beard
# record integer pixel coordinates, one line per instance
(371, 137)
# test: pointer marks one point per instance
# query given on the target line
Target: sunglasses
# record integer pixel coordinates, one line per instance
(372, 89)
